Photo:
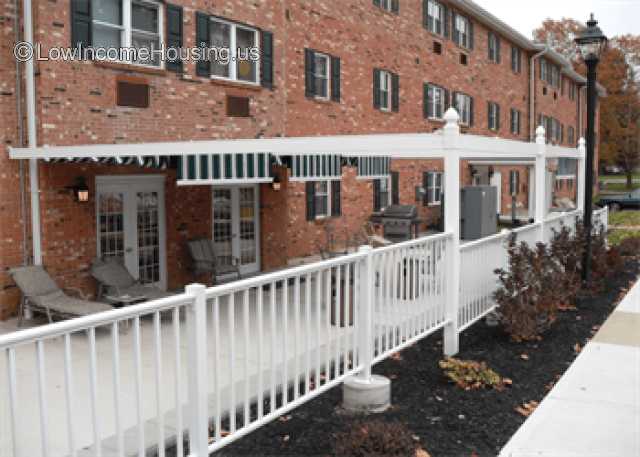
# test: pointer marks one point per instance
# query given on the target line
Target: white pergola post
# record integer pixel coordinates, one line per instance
(541, 180)
(451, 135)
(582, 173)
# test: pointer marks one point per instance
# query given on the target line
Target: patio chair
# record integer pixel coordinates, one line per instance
(41, 293)
(205, 261)
(114, 280)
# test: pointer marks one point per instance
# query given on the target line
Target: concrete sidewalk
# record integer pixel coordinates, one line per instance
(594, 410)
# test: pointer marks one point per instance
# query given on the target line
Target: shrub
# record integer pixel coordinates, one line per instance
(468, 374)
(377, 439)
(568, 253)
(630, 247)
(530, 291)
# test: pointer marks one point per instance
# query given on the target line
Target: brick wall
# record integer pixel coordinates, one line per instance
(76, 105)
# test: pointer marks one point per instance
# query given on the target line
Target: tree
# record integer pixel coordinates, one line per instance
(560, 36)
(620, 112)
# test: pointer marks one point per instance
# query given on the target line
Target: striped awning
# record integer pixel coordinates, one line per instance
(220, 169)
(374, 167)
(315, 167)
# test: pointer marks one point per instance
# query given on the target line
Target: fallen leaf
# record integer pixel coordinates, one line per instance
(285, 438)
(422, 453)
(524, 357)
(415, 438)
(527, 408)
(507, 381)
(577, 348)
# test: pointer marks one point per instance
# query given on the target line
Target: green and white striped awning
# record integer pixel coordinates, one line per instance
(374, 167)
(220, 169)
(315, 167)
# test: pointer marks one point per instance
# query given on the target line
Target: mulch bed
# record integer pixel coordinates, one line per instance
(447, 420)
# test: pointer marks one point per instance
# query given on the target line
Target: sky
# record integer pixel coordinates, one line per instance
(616, 17)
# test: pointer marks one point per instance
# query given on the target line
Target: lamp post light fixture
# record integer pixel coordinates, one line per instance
(591, 43)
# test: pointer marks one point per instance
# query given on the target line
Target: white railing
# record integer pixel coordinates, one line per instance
(601, 218)
(210, 365)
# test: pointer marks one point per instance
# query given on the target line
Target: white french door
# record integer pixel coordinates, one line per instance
(130, 221)
(236, 226)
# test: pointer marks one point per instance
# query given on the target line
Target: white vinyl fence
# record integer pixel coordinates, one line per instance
(211, 365)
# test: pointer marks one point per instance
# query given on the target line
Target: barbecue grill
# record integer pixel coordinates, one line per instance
(400, 223)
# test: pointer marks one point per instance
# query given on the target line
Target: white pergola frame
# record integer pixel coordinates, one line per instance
(448, 144)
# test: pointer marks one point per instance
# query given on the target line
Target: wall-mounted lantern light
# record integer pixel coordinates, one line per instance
(80, 189)
(276, 184)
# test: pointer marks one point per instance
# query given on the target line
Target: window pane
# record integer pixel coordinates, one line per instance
(321, 76)
(106, 37)
(144, 17)
(245, 41)
(107, 11)
(139, 41)
(221, 39)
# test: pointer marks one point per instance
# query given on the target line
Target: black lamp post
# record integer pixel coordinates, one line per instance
(591, 43)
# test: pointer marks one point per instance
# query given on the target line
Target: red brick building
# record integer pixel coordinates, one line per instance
(382, 66)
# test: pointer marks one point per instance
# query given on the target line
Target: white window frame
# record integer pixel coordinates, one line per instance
(233, 56)
(493, 116)
(386, 87)
(387, 183)
(126, 28)
(493, 47)
(434, 6)
(463, 36)
(434, 106)
(516, 64)
(326, 195)
(463, 105)
(515, 122)
(436, 185)
(316, 75)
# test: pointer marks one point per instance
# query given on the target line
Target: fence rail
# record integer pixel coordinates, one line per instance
(210, 365)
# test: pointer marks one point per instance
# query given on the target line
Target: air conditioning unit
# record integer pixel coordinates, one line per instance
(479, 212)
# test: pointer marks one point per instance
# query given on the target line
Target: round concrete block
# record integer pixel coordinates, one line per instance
(359, 396)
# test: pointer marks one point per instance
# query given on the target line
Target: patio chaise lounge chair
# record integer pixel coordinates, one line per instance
(114, 280)
(205, 261)
(41, 293)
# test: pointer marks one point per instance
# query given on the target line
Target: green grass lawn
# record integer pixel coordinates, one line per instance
(625, 219)
(607, 178)
(618, 188)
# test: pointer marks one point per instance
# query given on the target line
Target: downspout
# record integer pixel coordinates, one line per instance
(23, 194)
(532, 94)
(32, 138)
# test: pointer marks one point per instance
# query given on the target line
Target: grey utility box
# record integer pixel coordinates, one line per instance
(479, 208)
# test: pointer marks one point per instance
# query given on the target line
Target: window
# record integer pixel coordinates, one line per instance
(128, 24)
(493, 116)
(239, 40)
(571, 132)
(321, 196)
(515, 122)
(433, 188)
(435, 17)
(550, 73)
(386, 90)
(321, 76)
(462, 31)
(516, 59)
(464, 104)
(436, 101)
(464, 60)
(494, 47)
(381, 194)
(437, 47)
(393, 6)
(514, 182)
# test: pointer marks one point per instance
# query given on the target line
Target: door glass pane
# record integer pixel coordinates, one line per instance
(110, 225)
(148, 237)
(222, 228)
(247, 226)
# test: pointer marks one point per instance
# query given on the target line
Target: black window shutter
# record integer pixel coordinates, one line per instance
(490, 46)
(471, 113)
(336, 198)
(309, 73)
(471, 37)
(395, 92)
(489, 115)
(174, 35)
(395, 6)
(203, 66)
(81, 23)
(335, 79)
(426, 181)
(445, 20)
(376, 88)
(428, 109)
(456, 33)
(497, 117)
(447, 99)
(425, 13)
(498, 50)
(266, 65)
(311, 200)
(395, 187)
(376, 195)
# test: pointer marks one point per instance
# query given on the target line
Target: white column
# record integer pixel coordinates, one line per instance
(197, 371)
(541, 180)
(364, 314)
(582, 173)
(452, 225)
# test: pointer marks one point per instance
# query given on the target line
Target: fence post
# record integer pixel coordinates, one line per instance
(541, 181)
(582, 173)
(452, 225)
(365, 314)
(197, 371)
